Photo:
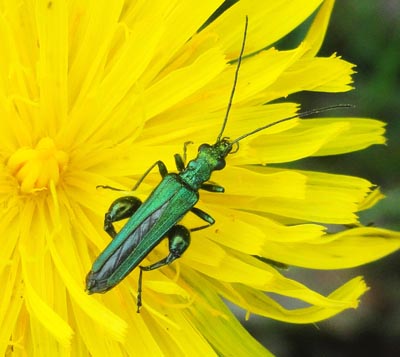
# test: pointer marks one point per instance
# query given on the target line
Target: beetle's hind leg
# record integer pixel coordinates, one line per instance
(121, 208)
(125, 207)
(178, 242)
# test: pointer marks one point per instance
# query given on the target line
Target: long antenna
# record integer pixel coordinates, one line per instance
(298, 115)
(234, 81)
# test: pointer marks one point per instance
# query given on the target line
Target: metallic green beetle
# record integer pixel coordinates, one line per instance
(156, 218)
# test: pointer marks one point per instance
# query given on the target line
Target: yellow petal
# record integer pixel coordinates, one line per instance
(52, 22)
(263, 34)
(350, 248)
(45, 314)
(93, 26)
(110, 322)
(374, 197)
(203, 126)
(316, 33)
(11, 303)
(200, 72)
(293, 144)
(178, 27)
(317, 74)
(359, 134)
(328, 198)
(259, 303)
(123, 73)
(251, 233)
(247, 182)
(217, 323)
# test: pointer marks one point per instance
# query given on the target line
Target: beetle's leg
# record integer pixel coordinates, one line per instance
(109, 188)
(125, 207)
(139, 292)
(178, 242)
(121, 208)
(212, 187)
(180, 161)
(185, 145)
(161, 168)
(204, 216)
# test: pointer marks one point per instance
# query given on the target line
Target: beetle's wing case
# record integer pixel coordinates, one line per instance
(165, 206)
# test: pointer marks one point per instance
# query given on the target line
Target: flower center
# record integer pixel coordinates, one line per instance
(35, 168)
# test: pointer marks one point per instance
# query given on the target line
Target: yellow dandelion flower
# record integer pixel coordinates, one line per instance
(94, 92)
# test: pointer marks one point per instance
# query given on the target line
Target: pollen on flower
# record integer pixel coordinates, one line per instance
(35, 168)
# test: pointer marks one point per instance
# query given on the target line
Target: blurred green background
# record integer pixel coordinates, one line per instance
(366, 33)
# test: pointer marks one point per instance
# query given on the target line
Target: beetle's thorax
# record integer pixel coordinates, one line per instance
(209, 158)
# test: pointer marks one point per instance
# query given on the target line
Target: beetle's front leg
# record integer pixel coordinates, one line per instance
(179, 240)
(121, 208)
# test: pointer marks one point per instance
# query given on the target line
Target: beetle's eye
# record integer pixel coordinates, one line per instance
(204, 147)
(220, 164)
